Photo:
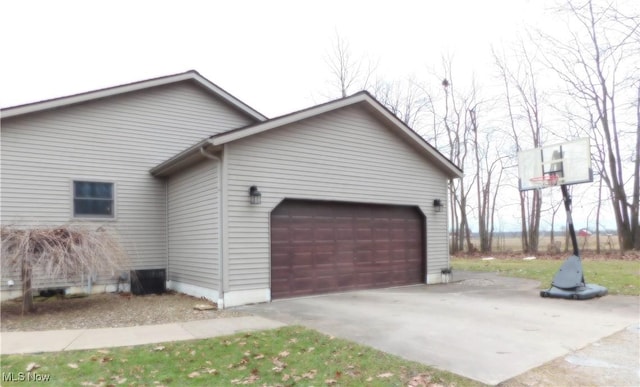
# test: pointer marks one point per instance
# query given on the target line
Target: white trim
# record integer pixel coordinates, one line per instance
(97, 218)
(10, 294)
(244, 297)
(112, 91)
(433, 279)
(194, 290)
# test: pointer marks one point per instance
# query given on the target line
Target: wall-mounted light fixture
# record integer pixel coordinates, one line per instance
(255, 196)
(437, 205)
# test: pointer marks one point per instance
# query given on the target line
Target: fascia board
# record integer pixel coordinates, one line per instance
(116, 90)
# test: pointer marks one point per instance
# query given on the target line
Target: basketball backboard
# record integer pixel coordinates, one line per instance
(559, 164)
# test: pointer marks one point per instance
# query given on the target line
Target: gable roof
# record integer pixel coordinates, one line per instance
(362, 98)
(191, 75)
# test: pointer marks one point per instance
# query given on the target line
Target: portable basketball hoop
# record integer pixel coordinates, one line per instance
(562, 164)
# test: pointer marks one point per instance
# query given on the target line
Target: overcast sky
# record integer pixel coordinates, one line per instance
(270, 54)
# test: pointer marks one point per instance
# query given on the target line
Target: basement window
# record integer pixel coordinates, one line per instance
(93, 199)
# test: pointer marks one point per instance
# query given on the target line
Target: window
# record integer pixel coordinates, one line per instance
(93, 199)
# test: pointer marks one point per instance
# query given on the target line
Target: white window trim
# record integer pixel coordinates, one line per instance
(98, 218)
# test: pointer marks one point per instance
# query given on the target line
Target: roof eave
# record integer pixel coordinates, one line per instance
(182, 160)
(444, 164)
(127, 88)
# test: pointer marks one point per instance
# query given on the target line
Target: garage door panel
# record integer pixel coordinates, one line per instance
(322, 247)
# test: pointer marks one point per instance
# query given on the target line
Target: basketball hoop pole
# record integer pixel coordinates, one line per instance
(567, 207)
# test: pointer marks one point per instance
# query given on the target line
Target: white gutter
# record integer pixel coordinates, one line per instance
(203, 152)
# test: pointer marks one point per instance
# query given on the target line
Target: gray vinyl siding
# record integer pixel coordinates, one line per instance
(115, 139)
(193, 225)
(345, 155)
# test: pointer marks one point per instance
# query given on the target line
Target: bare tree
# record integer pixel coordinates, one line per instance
(405, 99)
(598, 63)
(459, 130)
(348, 73)
(489, 169)
(525, 118)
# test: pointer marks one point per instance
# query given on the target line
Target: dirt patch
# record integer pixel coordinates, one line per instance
(107, 310)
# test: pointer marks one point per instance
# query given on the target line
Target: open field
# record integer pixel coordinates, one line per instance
(511, 243)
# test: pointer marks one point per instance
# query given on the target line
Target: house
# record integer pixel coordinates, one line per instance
(225, 203)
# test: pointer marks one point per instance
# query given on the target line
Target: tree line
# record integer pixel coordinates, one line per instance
(585, 80)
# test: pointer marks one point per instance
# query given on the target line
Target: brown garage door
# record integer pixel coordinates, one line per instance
(322, 247)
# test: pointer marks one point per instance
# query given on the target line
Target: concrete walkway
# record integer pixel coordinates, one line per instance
(73, 339)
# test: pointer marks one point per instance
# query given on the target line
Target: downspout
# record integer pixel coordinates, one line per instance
(166, 229)
(220, 209)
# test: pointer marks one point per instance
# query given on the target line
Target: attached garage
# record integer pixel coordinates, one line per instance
(243, 209)
(321, 247)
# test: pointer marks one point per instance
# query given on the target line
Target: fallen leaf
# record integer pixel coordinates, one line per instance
(72, 365)
(279, 365)
(204, 307)
(119, 380)
(293, 340)
(310, 375)
(420, 380)
(192, 353)
(338, 374)
(284, 354)
(385, 375)
(248, 380)
(103, 351)
(159, 348)
(330, 382)
(258, 357)
(248, 353)
(369, 379)
(106, 359)
(311, 349)
(32, 366)
(194, 374)
(286, 377)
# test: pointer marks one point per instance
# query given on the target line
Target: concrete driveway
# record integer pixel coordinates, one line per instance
(482, 326)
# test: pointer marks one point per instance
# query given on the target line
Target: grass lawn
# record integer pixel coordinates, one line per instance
(281, 357)
(618, 276)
